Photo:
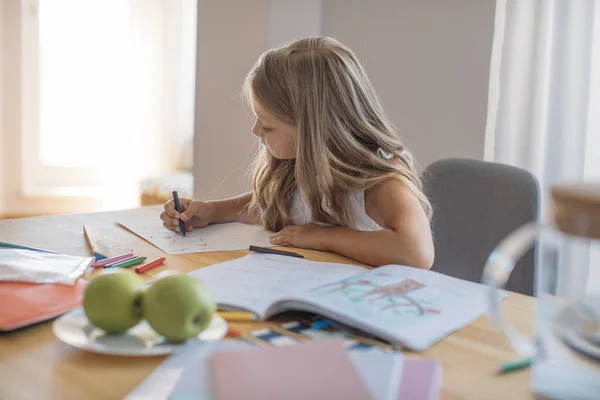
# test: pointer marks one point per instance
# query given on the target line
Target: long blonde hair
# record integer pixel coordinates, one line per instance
(318, 85)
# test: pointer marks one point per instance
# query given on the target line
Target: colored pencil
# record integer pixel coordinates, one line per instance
(130, 263)
(149, 265)
(231, 316)
(515, 365)
(107, 261)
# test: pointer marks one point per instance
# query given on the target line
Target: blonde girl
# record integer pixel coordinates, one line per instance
(332, 173)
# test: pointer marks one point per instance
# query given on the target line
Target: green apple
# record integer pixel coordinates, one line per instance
(178, 307)
(112, 300)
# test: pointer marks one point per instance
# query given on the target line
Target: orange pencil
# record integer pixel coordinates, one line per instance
(232, 332)
(149, 265)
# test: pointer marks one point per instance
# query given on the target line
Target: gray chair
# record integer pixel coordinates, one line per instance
(476, 204)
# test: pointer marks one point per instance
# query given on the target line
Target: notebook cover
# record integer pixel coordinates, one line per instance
(314, 370)
(421, 379)
(25, 304)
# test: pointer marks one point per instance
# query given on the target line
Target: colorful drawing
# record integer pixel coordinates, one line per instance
(348, 283)
(393, 297)
(399, 290)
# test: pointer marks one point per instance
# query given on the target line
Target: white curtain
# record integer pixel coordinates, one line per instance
(544, 101)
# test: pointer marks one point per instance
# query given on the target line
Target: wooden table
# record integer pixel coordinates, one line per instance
(35, 365)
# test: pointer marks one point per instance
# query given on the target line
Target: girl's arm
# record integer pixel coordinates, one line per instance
(231, 210)
(406, 238)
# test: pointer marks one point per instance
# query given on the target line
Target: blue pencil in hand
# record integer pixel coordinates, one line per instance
(178, 208)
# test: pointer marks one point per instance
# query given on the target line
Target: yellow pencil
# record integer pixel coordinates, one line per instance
(232, 316)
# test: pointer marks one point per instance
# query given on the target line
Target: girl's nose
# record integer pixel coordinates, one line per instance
(256, 129)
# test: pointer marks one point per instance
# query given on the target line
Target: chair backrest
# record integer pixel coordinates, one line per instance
(477, 204)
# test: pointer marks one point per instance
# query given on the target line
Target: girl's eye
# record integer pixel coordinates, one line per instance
(264, 129)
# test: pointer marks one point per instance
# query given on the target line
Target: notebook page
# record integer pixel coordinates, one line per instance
(256, 281)
(403, 305)
(218, 237)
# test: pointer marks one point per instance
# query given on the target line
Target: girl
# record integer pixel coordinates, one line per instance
(332, 173)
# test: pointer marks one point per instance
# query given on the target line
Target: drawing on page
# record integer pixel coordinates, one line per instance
(390, 297)
(397, 295)
(348, 283)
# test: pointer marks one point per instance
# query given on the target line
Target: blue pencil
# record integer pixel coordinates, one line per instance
(19, 247)
(179, 210)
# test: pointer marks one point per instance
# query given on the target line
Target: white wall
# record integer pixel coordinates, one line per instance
(231, 36)
(429, 60)
(293, 19)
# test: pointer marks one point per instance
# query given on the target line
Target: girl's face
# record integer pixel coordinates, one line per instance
(279, 136)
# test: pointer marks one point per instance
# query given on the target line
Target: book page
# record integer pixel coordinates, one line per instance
(256, 281)
(403, 305)
(218, 237)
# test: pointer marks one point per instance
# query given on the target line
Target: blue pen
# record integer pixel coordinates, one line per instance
(178, 208)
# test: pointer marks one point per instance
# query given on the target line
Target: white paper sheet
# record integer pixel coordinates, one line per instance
(38, 267)
(218, 237)
(258, 280)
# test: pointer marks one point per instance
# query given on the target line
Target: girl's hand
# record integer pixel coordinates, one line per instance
(308, 236)
(196, 214)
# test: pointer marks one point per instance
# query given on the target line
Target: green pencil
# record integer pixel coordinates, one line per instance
(515, 365)
(132, 262)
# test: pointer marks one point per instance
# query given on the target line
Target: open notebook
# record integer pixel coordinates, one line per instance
(403, 305)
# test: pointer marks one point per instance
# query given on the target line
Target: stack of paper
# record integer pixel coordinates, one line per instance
(39, 267)
(228, 369)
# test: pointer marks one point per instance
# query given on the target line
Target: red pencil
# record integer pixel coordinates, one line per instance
(149, 265)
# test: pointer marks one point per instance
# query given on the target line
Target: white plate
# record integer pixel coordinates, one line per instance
(577, 326)
(577, 342)
(75, 329)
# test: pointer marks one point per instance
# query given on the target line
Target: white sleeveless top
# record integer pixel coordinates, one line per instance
(300, 212)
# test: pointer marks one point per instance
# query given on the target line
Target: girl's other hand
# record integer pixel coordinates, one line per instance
(308, 236)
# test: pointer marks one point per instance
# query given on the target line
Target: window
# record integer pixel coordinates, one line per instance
(104, 83)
